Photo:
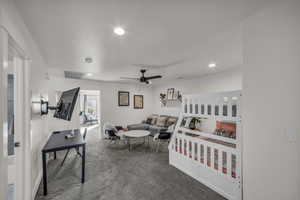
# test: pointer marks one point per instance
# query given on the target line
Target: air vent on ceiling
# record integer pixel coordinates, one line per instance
(179, 77)
(74, 75)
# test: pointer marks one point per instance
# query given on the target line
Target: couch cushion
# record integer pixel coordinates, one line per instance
(161, 121)
(154, 119)
(148, 120)
(138, 127)
(171, 121)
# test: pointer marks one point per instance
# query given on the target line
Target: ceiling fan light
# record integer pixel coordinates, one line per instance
(212, 65)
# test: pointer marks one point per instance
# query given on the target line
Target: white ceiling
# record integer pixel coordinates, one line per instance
(191, 33)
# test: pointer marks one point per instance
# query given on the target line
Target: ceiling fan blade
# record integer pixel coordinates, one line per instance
(153, 77)
(130, 78)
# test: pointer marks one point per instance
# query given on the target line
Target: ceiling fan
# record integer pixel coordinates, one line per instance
(143, 78)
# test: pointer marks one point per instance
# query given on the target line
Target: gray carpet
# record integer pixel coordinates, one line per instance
(114, 173)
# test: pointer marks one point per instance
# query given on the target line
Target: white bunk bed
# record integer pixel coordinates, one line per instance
(212, 159)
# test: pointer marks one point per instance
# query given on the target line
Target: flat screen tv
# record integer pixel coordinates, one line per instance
(66, 104)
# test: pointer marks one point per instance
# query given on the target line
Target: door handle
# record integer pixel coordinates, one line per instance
(17, 144)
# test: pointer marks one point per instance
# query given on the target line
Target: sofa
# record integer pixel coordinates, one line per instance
(154, 123)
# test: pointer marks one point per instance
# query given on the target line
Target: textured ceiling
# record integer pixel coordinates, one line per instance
(183, 36)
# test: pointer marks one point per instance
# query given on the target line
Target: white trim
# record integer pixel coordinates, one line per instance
(40, 174)
(19, 128)
(37, 184)
(3, 135)
(22, 125)
(2, 164)
(27, 128)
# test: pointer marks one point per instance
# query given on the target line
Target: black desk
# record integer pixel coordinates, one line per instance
(58, 142)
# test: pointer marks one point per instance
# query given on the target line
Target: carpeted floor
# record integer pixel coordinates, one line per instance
(114, 173)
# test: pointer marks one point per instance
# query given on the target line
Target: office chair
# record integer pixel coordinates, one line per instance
(113, 133)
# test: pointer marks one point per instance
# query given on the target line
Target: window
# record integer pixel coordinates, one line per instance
(89, 109)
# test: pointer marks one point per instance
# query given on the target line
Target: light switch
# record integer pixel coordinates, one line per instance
(292, 134)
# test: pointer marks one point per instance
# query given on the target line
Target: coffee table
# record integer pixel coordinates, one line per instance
(135, 134)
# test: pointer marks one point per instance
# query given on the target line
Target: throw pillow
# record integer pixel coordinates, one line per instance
(161, 121)
(148, 120)
(153, 122)
(171, 121)
(154, 119)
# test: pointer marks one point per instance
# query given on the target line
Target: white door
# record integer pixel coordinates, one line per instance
(13, 107)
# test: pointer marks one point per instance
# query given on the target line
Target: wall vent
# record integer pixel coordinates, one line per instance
(74, 75)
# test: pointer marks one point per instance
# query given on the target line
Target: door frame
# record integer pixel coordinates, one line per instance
(24, 191)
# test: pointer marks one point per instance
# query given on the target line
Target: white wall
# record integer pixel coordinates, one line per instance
(3, 170)
(271, 94)
(13, 23)
(110, 111)
(224, 81)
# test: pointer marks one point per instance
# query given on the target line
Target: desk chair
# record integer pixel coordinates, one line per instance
(77, 149)
(112, 132)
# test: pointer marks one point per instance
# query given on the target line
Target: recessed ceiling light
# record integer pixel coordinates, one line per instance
(89, 74)
(119, 31)
(212, 65)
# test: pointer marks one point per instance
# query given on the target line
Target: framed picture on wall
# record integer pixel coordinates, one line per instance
(138, 101)
(170, 93)
(123, 98)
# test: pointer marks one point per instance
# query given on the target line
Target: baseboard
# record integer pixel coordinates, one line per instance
(40, 175)
(37, 184)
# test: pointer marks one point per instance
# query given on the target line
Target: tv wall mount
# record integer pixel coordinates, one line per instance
(45, 107)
